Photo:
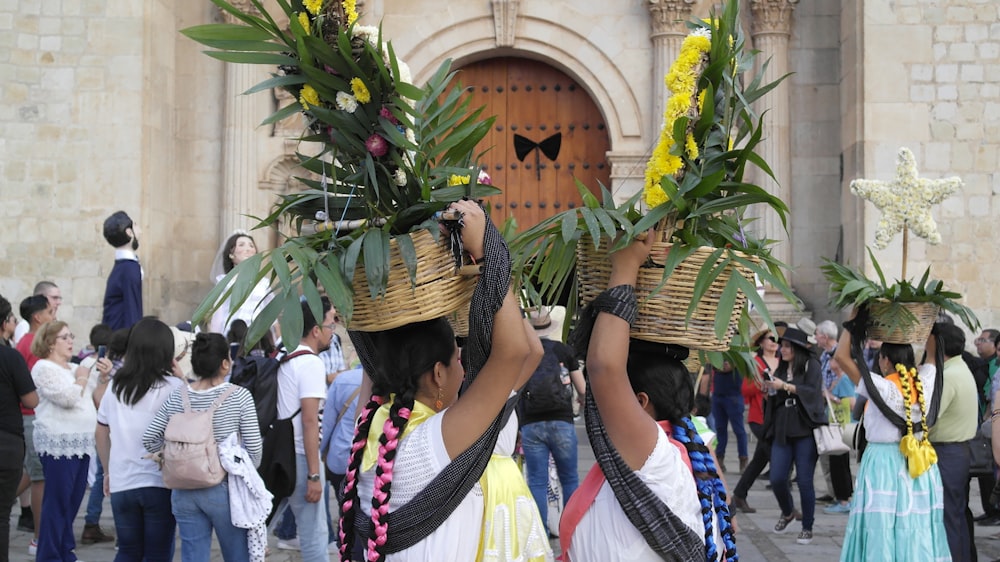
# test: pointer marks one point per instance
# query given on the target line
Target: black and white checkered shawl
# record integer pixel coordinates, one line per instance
(412, 522)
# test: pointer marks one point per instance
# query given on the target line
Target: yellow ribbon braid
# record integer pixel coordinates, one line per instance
(920, 455)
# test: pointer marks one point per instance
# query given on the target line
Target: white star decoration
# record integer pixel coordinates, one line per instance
(906, 200)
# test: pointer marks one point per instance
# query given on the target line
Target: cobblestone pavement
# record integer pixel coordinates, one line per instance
(755, 540)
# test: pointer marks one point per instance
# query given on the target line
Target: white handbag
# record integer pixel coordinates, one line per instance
(830, 438)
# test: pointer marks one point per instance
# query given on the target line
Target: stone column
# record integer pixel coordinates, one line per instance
(241, 114)
(668, 29)
(771, 29)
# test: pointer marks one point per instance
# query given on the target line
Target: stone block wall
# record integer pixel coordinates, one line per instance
(932, 71)
(95, 117)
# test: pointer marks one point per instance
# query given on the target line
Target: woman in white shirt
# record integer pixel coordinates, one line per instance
(234, 251)
(656, 493)
(139, 500)
(416, 424)
(64, 437)
(898, 507)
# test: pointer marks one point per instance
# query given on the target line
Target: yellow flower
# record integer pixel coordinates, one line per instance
(682, 80)
(458, 180)
(313, 6)
(360, 91)
(304, 22)
(308, 97)
(351, 10)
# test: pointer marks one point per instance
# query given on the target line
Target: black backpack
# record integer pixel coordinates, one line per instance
(259, 375)
(277, 460)
(546, 391)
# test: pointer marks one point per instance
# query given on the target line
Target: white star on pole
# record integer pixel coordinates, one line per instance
(906, 200)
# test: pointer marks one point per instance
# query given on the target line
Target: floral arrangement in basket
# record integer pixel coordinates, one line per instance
(385, 157)
(900, 312)
(695, 194)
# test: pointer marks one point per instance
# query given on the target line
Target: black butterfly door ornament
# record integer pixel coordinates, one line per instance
(524, 146)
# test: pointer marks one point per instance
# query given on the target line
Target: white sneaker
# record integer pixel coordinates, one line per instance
(290, 544)
(33, 547)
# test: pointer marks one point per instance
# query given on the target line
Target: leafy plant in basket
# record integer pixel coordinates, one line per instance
(900, 312)
(695, 194)
(381, 152)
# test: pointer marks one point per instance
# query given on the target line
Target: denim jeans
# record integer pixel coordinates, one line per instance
(539, 440)
(309, 516)
(728, 410)
(801, 451)
(96, 502)
(197, 513)
(145, 524)
(65, 484)
(287, 529)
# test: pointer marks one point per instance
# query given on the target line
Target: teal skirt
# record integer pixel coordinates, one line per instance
(893, 516)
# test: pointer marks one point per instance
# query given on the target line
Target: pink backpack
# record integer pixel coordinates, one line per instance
(190, 455)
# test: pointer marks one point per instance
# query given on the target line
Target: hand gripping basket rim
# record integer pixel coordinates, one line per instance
(439, 291)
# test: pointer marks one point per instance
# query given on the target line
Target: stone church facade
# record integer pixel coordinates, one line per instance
(106, 106)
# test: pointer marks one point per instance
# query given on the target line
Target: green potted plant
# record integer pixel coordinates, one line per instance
(900, 312)
(385, 158)
(695, 195)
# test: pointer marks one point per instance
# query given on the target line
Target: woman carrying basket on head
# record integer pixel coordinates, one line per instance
(656, 493)
(898, 509)
(420, 449)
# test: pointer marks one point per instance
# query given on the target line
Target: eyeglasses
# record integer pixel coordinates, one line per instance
(983, 340)
(330, 327)
(65, 336)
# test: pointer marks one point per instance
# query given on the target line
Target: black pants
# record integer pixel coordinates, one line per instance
(840, 476)
(953, 462)
(11, 467)
(761, 456)
(986, 485)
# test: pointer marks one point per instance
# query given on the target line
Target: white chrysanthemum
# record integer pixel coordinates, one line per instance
(906, 200)
(399, 177)
(404, 72)
(347, 102)
(368, 33)
(703, 32)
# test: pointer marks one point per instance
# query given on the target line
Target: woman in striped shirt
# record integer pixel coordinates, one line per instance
(199, 511)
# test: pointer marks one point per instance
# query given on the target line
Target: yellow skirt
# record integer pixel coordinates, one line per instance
(512, 526)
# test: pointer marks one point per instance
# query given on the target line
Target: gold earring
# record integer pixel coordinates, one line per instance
(439, 404)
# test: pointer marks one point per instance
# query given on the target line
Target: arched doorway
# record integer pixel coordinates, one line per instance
(536, 104)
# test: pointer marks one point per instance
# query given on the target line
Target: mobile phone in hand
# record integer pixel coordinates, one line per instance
(102, 350)
(234, 351)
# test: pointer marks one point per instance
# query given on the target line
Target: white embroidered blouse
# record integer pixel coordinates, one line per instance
(65, 417)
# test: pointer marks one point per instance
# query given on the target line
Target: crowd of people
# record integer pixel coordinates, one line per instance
(422, 422)
(917, 419)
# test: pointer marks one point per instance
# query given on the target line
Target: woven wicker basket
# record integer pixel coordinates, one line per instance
(459, 319)
(663, 317)
(439, 289)
(925, 313)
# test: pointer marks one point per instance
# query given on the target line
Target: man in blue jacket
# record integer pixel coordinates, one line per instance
(123, 294)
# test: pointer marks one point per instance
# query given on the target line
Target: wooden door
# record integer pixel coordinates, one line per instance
(544, 106)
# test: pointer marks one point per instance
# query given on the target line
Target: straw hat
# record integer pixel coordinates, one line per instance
(182, 345)
(809, 327)
(548, 321)
(754, 339)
